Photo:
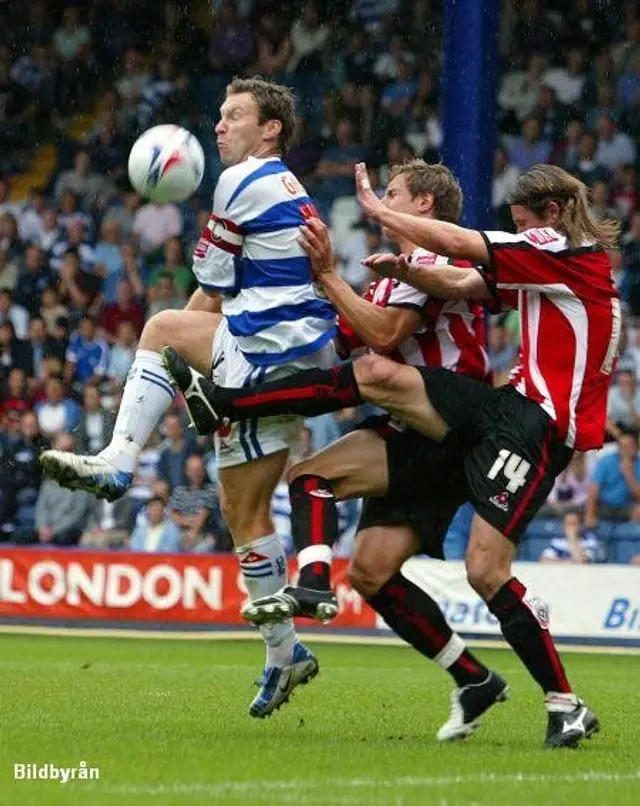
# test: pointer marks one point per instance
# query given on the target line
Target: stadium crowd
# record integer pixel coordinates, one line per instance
(84, 260)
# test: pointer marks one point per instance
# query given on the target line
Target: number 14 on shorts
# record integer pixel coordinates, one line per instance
(514, 468)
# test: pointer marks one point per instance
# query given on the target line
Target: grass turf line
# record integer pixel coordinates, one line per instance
(166, 724)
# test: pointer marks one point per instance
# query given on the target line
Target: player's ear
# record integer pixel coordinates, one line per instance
(272, 130)
(426, 203)
(552, 214)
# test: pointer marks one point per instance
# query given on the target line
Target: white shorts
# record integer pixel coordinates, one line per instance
(250, 439)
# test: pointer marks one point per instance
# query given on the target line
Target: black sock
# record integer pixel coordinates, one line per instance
(308, 393)
(524, 623)
(314, 522)
(415, 616)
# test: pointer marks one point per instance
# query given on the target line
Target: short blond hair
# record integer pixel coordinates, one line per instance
(436, 180)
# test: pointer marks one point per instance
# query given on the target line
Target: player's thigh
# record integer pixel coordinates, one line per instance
(379, 554)
(189, 332)
(355, 465)
(247, 490)
(401, 390)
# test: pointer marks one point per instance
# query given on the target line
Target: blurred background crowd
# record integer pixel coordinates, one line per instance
(84, 261)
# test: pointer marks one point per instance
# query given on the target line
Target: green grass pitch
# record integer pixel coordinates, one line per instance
(165, 721)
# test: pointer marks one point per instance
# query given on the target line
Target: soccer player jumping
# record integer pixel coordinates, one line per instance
(508, 444)
(256, 315)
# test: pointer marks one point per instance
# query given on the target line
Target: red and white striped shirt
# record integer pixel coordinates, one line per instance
(452, 334)
(570, 324)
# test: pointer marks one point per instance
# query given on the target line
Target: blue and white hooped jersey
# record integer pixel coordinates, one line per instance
(249, 253)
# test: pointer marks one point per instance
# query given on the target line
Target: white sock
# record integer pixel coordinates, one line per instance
(264, 567)
(147, 395)
(556, 701)
(450, 652)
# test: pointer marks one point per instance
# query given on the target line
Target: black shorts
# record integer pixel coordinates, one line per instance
(507, 448)
(420, 493)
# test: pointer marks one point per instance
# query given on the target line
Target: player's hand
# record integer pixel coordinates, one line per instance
(387, 264)
(315, 240)
(370, 203)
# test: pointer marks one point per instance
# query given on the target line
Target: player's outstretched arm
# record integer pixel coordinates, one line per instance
(445, 282)
(381, 329)
(440, 237)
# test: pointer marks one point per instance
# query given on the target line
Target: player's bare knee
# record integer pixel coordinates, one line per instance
(365, 579)
(374, 370)
(157, 331)
(484, 575)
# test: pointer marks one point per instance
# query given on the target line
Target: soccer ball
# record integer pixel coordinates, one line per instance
(166, 164)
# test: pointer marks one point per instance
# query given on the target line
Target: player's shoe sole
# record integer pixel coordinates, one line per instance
(198, 391)
(89, 473)
(277, 684)
(290, 602)
(469, 704)
(568, 729)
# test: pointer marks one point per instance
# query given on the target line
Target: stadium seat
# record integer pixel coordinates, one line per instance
(532, 548)
(345, 212)
(626, 531)
(544, 528)
(623, 550)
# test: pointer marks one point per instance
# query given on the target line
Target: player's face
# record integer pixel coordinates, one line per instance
(398, 198)
(525, 219)
(238, 130)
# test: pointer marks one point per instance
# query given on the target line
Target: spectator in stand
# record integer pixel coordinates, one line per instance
(631, 260)
(623, 409)
(600, 207)
(231, 46)
(109, 262)
(92, 189)
(8, 272)
(52, 310)
(397, 97)
(154, 224)
(174, 452)
(25, 477)
(568, 81)
(571, 488)
(273, 46)
(519, 89)
(96, 424)
(15, 397)
(14, 353)
(335, 169)
(125, 309)
(57, 413)
(389, 63)
(157, 532)
(60, 513)
(10, 241)
(124, 210)
(69, 212)
(615, 148)
(51, 232)
(567, 152)
(553, 116)
(33, 279)
(175, 265)
(80, 288)
(162, 93)
(356, 62)
(77, 241)
(43, 346)
(574, 545)
(16, 315)
(31, 224)
(87, 355)
(529, 148)
(122, 353)
(164, 296)
(625, 192)
(195, 509)
(614, 493)
(132, 80)
(308, 37)
(589, 170)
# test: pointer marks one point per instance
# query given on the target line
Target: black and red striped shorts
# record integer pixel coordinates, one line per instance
(507, 450)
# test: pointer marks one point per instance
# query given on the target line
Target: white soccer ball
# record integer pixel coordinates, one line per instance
(166, 164)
